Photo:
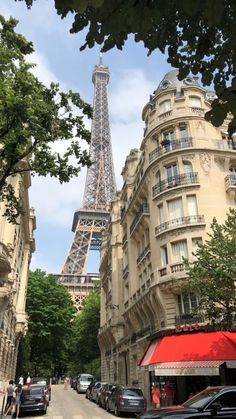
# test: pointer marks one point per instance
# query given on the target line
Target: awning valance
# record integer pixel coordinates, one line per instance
(199, 353)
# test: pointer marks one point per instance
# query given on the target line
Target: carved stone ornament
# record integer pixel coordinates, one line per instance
(220, 161)
(205, 162)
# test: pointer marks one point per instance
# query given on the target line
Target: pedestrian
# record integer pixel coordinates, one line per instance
(65, 383)
(18, 391)
(156, 397)
(28, 380)
(21, 380)
(169, 393)
(9, 402)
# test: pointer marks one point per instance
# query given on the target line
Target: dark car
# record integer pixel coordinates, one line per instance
(105, 392)
(45, 389)
(126, 399)
(43, 380)
(213, 402)
(89, 388)
(33, 400)
(95, 392)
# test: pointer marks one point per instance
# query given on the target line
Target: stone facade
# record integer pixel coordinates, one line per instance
(16, 247)
(182, 176)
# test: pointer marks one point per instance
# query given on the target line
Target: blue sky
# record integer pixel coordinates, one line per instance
(133, 77)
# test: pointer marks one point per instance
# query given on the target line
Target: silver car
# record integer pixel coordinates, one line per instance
(83, 382)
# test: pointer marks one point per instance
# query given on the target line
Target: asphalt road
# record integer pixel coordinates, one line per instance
(68, 404)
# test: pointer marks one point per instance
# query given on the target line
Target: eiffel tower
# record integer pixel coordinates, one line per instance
(100, 188)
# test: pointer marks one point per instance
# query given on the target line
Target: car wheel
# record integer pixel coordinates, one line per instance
(117, 412)
(45, 410)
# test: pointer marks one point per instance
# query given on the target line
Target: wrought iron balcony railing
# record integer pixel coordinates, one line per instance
(143, 210)
(230, 181)
(180, 222)
(170, 146)
(173, 181)
(188, 318)
(143, 253)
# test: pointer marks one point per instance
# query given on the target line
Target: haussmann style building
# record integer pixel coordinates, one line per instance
(183, 175)
(16, 247)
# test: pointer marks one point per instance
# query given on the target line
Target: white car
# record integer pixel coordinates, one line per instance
(83, 382)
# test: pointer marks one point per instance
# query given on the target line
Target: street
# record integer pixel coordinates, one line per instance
(68, 404)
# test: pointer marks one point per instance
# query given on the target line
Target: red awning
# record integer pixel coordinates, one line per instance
(190, 350)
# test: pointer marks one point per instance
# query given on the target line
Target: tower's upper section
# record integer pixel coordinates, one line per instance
(101, 72)
(100, 184)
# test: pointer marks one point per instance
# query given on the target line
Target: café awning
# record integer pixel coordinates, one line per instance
(199, 353)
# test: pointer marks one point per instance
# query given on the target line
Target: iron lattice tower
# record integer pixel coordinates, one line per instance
(100, 185)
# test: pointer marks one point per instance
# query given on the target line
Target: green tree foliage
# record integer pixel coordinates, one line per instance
(34, 119)
(84, 344)
(50, 310)
(212, 275)
(199, 36)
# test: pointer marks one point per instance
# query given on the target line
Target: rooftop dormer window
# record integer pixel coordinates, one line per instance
(195, 101)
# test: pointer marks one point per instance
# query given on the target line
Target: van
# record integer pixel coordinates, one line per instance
(83, 382)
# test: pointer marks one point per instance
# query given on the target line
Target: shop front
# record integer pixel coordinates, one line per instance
(186, 363)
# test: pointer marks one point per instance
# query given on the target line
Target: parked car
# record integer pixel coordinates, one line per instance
(45, 389)
(95, 391)
(213, 402)
(83, 382)
(105, 392)
(89, 388)
(126, 399)
(45, 381)
(33, 400)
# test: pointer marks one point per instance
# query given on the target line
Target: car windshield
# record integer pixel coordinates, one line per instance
(86, 378)
(201, 399)
(33, 391)
(39, 381)
(133, 392)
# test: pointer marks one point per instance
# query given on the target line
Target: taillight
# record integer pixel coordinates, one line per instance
(120, 397)
(42, 400)
(145, 403)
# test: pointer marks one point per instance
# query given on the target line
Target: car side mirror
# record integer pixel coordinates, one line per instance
(216, 406)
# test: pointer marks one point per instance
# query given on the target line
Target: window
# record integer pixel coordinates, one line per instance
(165, 106)
(172, 175)
(195, 101)
(195, 243)
(161, 214)
(187, 303)
(168, 136)
(175, 208)
(188, 168)
(227, 400)
(164, 256)
(192, 205)
(183, 132)
(125, 259)
(126, 296)
(179, 251)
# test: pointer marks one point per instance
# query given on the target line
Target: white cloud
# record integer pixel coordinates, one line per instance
(42, 69)
(126, 102)
(130, 95)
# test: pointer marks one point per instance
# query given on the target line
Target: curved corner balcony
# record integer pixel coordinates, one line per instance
(189, 220)
(171, 146)
(143, 210)
(230, 182)
(173, 181)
